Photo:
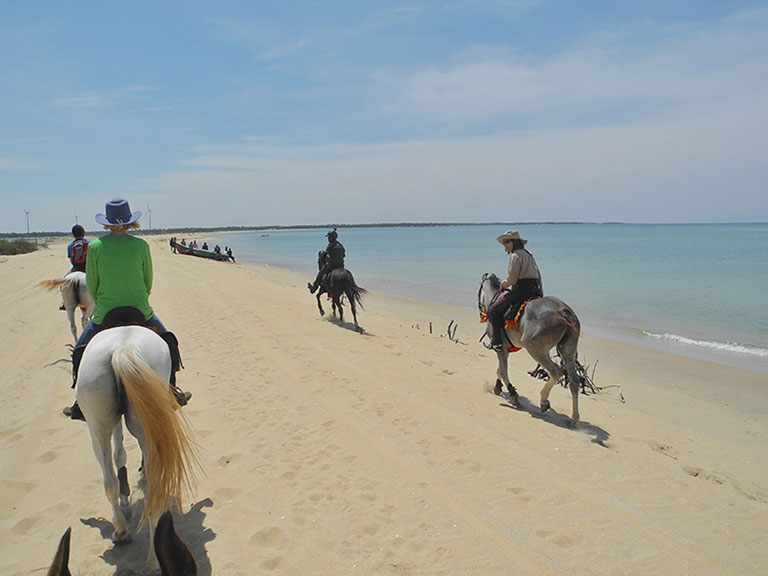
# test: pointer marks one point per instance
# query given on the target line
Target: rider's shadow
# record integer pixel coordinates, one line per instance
(599, 436)
(129, 559)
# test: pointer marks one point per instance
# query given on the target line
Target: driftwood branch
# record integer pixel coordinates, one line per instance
(586, 381)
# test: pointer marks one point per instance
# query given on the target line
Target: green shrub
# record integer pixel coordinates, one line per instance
(16, 247)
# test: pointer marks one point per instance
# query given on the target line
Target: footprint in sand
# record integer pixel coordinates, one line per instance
(47, 457)
(272, 543)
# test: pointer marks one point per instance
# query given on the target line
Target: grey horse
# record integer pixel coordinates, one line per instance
(545, 323)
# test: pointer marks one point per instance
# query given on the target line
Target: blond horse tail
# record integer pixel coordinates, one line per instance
(50, 284)
(171, 458)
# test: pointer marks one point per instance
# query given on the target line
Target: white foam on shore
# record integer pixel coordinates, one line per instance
(721, 346)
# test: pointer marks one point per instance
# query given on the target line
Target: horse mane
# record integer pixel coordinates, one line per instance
(494, 280)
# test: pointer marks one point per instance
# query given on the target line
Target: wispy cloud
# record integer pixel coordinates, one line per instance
(281, 51)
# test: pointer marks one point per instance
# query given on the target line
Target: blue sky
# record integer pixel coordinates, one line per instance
(259, 113)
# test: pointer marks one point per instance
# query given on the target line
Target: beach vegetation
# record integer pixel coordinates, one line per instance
(13, 247)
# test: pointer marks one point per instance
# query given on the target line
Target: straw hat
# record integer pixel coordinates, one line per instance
(511, 235)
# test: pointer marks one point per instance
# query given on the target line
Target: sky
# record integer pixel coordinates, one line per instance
(250, 113)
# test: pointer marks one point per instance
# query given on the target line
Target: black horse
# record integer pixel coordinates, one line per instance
(338, 283)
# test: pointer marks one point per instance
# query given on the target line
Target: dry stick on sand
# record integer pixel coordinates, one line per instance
(587, 382)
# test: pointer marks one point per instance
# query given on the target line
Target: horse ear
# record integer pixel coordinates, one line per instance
(173, 555)
(60, 566)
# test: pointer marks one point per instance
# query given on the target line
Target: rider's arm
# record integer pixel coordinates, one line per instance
(92, 270)
(148, 269)
(513, 271)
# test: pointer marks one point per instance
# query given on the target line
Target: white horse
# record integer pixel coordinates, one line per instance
(74, 293)
(545, 323)
(125, 372)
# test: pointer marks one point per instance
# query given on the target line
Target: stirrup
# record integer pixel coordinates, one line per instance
(494, 347)
(74, 412)
(182, 398)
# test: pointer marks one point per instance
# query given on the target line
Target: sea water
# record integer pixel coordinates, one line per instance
(696, 290)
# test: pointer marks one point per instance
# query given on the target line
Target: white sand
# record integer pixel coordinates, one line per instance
(330, 452)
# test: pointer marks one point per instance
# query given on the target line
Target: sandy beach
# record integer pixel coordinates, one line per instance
(328, 452)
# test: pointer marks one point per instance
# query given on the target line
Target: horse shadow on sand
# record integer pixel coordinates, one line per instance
(597, 434)
(131, 559)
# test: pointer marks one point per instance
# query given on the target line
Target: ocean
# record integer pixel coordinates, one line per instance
(695, 290)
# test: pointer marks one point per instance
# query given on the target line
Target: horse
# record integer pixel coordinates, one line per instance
(124, 372)
(74, 292)
(338, 283)
(174, 556)
(545, 323)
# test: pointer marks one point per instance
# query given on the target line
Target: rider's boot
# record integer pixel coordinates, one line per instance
(182, 398)
(312, 287)
(74, 411)
(495, 343)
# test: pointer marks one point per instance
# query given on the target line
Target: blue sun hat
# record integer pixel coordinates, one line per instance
(118, 213)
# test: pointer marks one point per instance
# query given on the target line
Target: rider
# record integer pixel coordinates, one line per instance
(523, 283)
(119, 275)
(334, 258)
(77, 251)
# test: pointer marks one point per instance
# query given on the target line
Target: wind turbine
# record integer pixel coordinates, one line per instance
(26, 212)
(149, 212)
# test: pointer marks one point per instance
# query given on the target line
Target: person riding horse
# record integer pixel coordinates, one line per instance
(119, 278)
(334, 258)
(523, 283)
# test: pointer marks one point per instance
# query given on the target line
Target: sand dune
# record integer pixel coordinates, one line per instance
(330, 452)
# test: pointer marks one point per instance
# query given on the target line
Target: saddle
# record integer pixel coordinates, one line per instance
(515, 312)
(130, 316)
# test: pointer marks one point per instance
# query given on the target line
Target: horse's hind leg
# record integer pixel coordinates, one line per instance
(351, 298)
(71, 317)
(553, 371)
(320, 306)
(120, 459)
(101, 447)
(574, 385)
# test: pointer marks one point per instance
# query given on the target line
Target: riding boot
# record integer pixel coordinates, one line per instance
(182, 398)
(312, 287)
(77, 355)
(74, 412)
(496, 336)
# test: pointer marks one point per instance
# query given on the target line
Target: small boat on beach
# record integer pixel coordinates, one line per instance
(184, 249)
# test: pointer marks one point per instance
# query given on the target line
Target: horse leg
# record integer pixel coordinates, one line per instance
(502, 375)
(320, 306)
(553, 371)
(120, 458)
(101, 447)
(71, 317)
(351, 298)
(337, 304)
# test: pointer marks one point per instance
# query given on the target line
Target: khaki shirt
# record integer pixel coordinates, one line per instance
(521, 266)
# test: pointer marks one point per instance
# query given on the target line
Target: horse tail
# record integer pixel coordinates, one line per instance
(354, 292)
(51, 285)
(170, 455)
(572, 331)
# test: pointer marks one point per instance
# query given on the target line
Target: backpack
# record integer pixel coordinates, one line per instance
(79, 251)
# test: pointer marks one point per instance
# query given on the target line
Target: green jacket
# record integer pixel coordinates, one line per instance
(119, 273)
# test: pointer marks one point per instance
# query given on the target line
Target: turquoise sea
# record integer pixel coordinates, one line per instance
(695, 290)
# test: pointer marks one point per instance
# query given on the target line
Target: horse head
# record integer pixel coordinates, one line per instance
(489, 286)
(321, 259)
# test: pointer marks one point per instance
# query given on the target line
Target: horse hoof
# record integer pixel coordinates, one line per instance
(498, 388)
(322, 312)
(544, 405)
(124, 538)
